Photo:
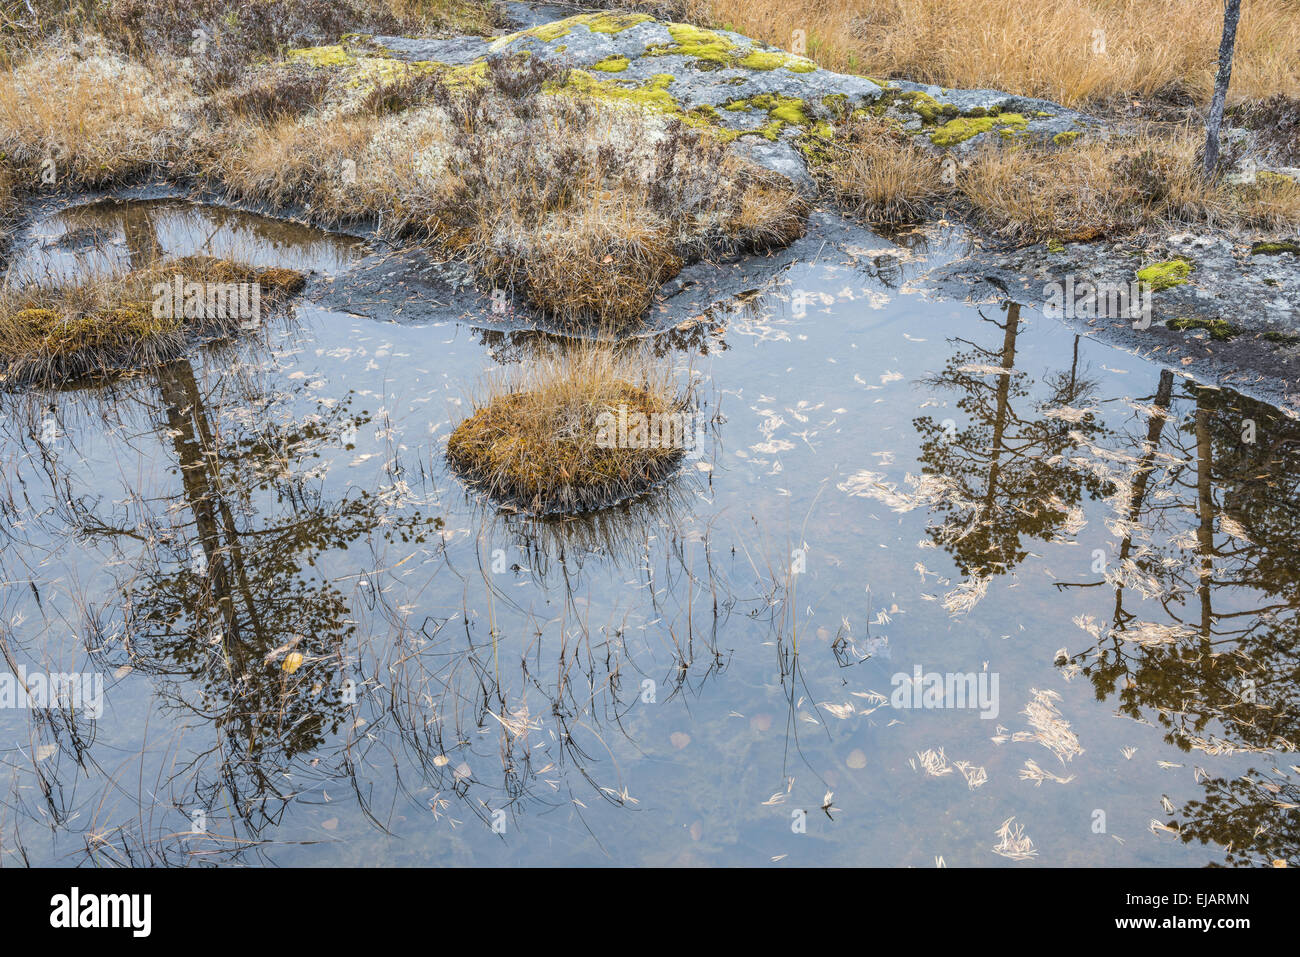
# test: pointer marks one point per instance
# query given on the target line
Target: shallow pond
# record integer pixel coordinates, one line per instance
(1098, 550)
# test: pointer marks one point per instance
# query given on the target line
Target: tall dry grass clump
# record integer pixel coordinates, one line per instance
(878, 172)
(1030, 192)
(89, 116)
(1151, 48)
(1100, 188)
(547, 438)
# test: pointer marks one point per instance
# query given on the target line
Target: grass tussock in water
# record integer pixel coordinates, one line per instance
(108, 323)
(547, 440)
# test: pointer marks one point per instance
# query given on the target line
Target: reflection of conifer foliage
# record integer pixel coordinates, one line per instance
(230, 588)
(1252, 817)
(1001, 456)
(1212, 656)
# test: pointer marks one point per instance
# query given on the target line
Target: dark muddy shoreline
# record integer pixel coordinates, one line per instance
(403, 282)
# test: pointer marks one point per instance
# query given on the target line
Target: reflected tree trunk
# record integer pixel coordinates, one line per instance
(1204, 512)
(142, 245)
(1142, 475)
(1008, 362)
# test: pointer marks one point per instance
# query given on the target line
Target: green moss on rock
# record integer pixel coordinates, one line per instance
(653, 94)
(1275, 248)
(1165, 275)
(612, 64)
(696, 42)
(964, 127)
(771, 59)
(1220, 330)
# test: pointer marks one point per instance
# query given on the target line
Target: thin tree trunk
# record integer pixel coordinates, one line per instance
(1231, 14)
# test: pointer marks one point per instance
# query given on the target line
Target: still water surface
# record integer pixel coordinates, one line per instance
(713, 674)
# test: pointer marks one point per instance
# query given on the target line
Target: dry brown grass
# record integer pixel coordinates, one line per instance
(877, 172)
(1153, 47)
(287, 162)
(586, 206)
(104, 323)
(1028, 192)
(99, 117)
(1271, 203)
(239, 31)
(1099, 188)
(534, 439)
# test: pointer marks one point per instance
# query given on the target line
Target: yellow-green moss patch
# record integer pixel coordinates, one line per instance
(787, 109)
(612, 64)
(1165, 275)
(697, 42)
(1275, 248)
(608, 23)
(964, 127)
(771, 59)
(653, 94)
(1220, 330)
(332, 55)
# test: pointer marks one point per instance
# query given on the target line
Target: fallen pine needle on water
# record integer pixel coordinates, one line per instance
(1012, 842)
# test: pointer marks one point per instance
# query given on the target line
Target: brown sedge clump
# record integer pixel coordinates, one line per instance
(551, 438)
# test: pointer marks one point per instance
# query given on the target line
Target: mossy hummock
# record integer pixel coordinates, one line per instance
(103, 326)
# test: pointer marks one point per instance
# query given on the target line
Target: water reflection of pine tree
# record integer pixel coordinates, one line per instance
(1003, 466)
(232, 586)
(1224, 672)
